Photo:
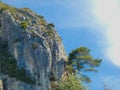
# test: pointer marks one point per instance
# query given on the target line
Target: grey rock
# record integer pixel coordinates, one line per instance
(43, 62)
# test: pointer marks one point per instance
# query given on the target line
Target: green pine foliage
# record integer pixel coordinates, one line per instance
(81, 60)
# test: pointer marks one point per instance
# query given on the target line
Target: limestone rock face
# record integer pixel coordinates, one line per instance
(35, 45)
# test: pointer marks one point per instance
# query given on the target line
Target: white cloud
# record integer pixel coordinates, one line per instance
(108, 13)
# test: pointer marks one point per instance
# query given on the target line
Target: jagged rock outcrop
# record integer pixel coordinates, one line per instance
(35, 45)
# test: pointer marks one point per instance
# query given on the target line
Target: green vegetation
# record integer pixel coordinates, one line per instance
(16, 40)
(51, 25)
(34, 45)
(42, 21)
(52, 77)
(32, 31)
(59, 39)
(12, 10)
(8, 65)
(41, 16)
(0, 24)
(50, 32)
(26, 9)
(71, 83)
(5, 7)
(24, 24)
(81, 60)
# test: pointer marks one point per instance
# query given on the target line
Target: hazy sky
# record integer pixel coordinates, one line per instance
(91, 23)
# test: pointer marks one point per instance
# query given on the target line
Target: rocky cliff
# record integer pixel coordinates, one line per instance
(31, 51)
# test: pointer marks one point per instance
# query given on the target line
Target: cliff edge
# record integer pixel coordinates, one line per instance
(31, 51)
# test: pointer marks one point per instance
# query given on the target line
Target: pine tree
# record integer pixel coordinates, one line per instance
(80, 60)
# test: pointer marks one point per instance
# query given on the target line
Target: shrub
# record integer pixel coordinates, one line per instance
(51, 25)
(32, 31)
(5, 7)
(16, 40)
(71, 83)
(34, 45)
(24, 25)
(40, 16)
(59, 39)
(42, 21)
(52, 77)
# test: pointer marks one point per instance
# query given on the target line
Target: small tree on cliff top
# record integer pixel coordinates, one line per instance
(80, 60)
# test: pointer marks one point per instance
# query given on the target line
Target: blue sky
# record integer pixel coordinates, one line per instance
(90, 23)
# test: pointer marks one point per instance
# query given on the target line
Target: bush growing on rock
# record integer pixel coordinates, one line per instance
(24, 24)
